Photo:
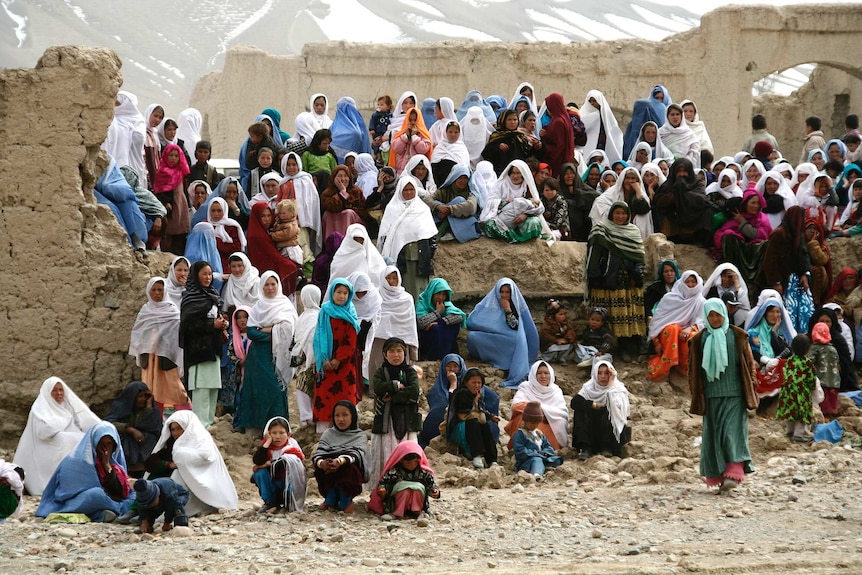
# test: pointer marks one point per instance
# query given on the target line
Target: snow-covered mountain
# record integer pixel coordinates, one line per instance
(166, 45)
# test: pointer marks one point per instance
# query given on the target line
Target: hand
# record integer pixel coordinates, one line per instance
(267, 439)
(444, 211)
(171, 465)
(381, 491)
(495, 418)
(519, 219)
(685, 334)
(435, 494)
(657, 345)
(739, 217)
(453, 381)
(803, 281)
(772, 363)
(136, 435)
(506, 305)
(542, 133)
(440, 308)
(504, 148)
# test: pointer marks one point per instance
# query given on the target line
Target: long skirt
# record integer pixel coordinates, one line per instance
(674, 353)
(745, 256)
(167, 387)
(725, 436)
(438, 341)
(769, 381)
(626, 309)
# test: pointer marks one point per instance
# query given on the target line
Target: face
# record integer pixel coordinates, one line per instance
(173, 158)
(608, 180)
(255, 138)
(438, 298)
(451, 367)
(319, 105)
(392, 279)
(279, 435)
(156, 117)
(142, 399)
(810, 232)
(268, 125)
(265, 160)
(181, 272)
(170, 132)
(349, 161)
(752, 173)
(205, 276)
(474, 384)
(619, 216)
(569, 178)
(543, 375)
(674, 117)
(682, 172)
(728, 279)
(216, 212)
(641, 157)
(725, 182)
(202, 155)
(560, 316)
(231, 193)
(773, 315)
(340, 294)
(408, 192)
(752, 206)
(341, 178)
(516, 177)
(512, 122)
(691, 281)
(689, 112)
(650, 179)
(410, 464)
(848, 283)
(409, 102)
(412, 118)
(452, 134)
(826, 319)
(266, 218)
(630, 181)
(270, 188)
(176, 430)
(521, 106)
(106, 445)
(324, 144)
(506, 292)
(342, 418)
(530, 124)
(270, 287)
(650, 134)
(58, 392)
(834, 152)
(664, 167)
(659, 95)
(801, 177)
(821, 187)
(818, 161)
(595, 321)
(715, 319)
(200, 196)
(461, 182)
(549, 192)
(157, 292)
(668, 274)
(593, 177)
(395, 355)
(242, 321)
(594, 103)
(292, 167)
(603, 375)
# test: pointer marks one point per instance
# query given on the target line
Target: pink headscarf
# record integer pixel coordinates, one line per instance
(819, 334)
(238, 348)
(759, 220)
(169, 177)
(403, 448)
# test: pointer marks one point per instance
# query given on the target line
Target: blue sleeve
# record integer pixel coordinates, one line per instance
(524, 448)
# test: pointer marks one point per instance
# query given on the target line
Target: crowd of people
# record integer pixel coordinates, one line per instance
(346, 217)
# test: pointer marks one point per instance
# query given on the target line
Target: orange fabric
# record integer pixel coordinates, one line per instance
(674, 353)
(420, 126)
(516, 421)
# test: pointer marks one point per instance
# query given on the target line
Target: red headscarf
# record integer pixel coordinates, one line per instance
(559, 139)
(403, 448)
(838, 286)
(263, 253)
(169, 177)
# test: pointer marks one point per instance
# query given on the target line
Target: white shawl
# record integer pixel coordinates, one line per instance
(260, 197)
(367, 170)
(278, 313)
(307, 199)
(352, 256)
(52, 432)
(790, 199)
(551, 397)
(614, 396)
(307, 324)
(220, 225)
(594, 118)
(126, 135)
(189, 124)
(404, 221)
(243, 290)
(321, 120)
(518, 94)
(505, 191)
(157, 329)
(683, 306)
(438, 128)
(306, 126)
(740, 288)
(397, 311)
(475, 132)
(680, 140)
(174, 290)
(7, 472)
(445, 150)
(744, 178)
(602, 204)
(429, 187)
(200, 467)
(699, 128)
(814, 205)
(368, 306)
(730, 191)
(660, 152)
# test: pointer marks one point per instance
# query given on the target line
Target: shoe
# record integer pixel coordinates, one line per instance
(268, 507)
(348, 509)
(447, 237)
(493, 464)
(538, 477)
(109, 517)
(584, 454)
(127, 517)
(478, 463)
(387, 517)
(586, 363)
(728, 485)
(799, 439)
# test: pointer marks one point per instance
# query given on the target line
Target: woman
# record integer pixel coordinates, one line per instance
(193, 459)
(299, 185)
(448, 153)
(57, 421)
(318, 106)
(243, 289)
(819, 200)
(592, 177)
(91, 480)
(419, 166)
(677, 317)
(724, 278)
(692, 119)
(722, 193)
(508, 214)
(178, 273)
(777, 195)
(341, 459)
(413, 138)
(343, 203)
(475, 132)
(680, 208)
(238, 206)
(152, 147)
(649, 135)
(844, 285)
(629, 189)
(357, 254)
(678, 137)
(742, 239)
(558, 137)
(262, 251)
(201, 332)
(445, 113)
(439, 320)
(541, 386)
(349, 132)
(397, 319)
(451, 371)
(580, 199)
(821, 263)
(455, 205)
(601, 409)
(615, 267)
(228, 234)
(408, 235)
(154, 343)
(302, 353)
(267, 364)
(469, 420)
(507, 143)
(770, 331)
(137, 422)
(502, 332)
(668, 273)
(202, 245)
(603, 131)
(722, 389)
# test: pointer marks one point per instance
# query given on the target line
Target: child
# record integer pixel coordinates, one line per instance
(11, 490)
(556, 209)
(242, 287)
(237, 349)
(468, 421)
(285, 231)
(405, 485)
(533, 452)
(596, 340)
(202, 170)
(318, 156)
(161, 495)
(340, 461)
(794, 399)
(264, 166)
(379, 123)
(259, 138)
(557, 335)
(278, 471)
(396, 404)
(825, 359)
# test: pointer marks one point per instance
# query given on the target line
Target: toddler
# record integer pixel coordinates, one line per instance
(825, 358)
(162, 495)
(794, 398)
(597, 340)
(533, 451)
(285, 231)
(557, 335)
(278, 471)
(405, 485)
(379, 123)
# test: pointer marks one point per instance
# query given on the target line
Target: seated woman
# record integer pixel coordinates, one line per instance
(579, 200)
(138, 424)
(57, 421)
(725, 277)
(420, 168)
(411, 139)
(469, 419)
(455, 205)
(819, 200)
(187, 453)
(724, 193)
(507, 143)
(503, 333)
(508, 214)
(668, 273)
(601, 409)
(541, 386)
(629, 189)
(451, 371)
(844, 285)
(681, 210)
(678, 316)
(448, 153)
(592, 177)
(11, 490)
(91, 480)
(343, 203)
(238, 206)
(742, 239)
(681, 140)
(340, 460)
(770, 331)
(777, 196)
(439, 320)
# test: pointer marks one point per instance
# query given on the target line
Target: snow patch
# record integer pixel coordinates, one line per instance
(427, 8)
(77, 11)
(20, 21)
(450, 30)
(350, 21)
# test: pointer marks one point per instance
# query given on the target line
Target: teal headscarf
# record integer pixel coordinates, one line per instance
(425, 305)
(715, 340)
(323, 333)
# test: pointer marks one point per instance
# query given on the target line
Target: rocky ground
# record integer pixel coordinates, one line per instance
(647, 513)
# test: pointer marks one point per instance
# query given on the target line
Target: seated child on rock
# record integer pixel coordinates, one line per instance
(158, 496)
(406, 483)
(533, 452)
(596, 340)
(278, 471)
(557, 336)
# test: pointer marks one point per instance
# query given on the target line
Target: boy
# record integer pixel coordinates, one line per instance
(556, 208)
(162, 495)
(533, 451)
(379, 123)
(259, 138)
(201, 170)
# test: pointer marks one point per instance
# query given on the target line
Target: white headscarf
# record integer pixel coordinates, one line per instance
(680, 140)
(397, 311)
(397, 119)
(307, 199)
(551, 397)
(189, 124)
(614, 395)
(367, 173)
(404, 221)
(518, 94)
(278, 313)
(602, 204)
(437, 130)
(475, 131)
(306, 126)
(505, 190)
(174, 290)
(744, 178)
(368, 306)
(245, 289)
(352, 256)
(730, 191)
(457, 152)
(52, 432)
(429, 187)
(804, 168)
(661, 151)
(126, 134)
(593, 120)
(7, 472)
(682, 305)
(790, 199)
(157, 328)
(260, 197)
(655, 169)
(740, 288)
(219, 226)
(190, 191)
(200, 466)
(323, 120)
(698, 127)
(306, 325)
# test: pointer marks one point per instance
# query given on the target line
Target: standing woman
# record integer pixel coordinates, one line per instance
(154, 343)
(201, 332)
(343, 203)
(504, 145)
(603, 131)
(397, 319)
(678, 137)
(722, 381)
(267, 364)
(178, 274)
(558, 138)
(615, 266)
(152, 147)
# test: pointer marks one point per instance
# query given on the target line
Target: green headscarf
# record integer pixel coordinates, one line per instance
(715, 340)
(425, 305)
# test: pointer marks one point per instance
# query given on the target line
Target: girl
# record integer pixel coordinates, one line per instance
(237, 351)
(439, 320)
(340, 460)
(557, 337)
(168, 188)
(278, 471)
(319, 156)
(299, 185)
(678, 316)
(138, 424)
(541, 387)
(243, 285)
(668, 273)
(396, 404)
(678, 137)
(826, 365)
(334, 347)
(178, 273)
(154, 343)
(596, 339)
(629, 189)
(202, 245)
(468, 421)
(266, 165)
(411, 139)
(795, 397)
(722, 382)
(601, 409)
(397, 319)
(318, 106)
(777, 196)
(770, 331)
(152, 146)
(451, 371)
(343, 203)
(533, 452)
(404, 486)
(449, 152)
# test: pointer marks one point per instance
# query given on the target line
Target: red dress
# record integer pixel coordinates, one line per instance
(226, 249)
(341, 383)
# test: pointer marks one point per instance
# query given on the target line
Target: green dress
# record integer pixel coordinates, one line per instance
(530, 229)
(794, 399)
(262, 396)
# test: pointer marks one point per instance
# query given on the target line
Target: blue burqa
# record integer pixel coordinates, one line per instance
(114, 191)
(349, 132)
(643, 111)
(201, 246)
